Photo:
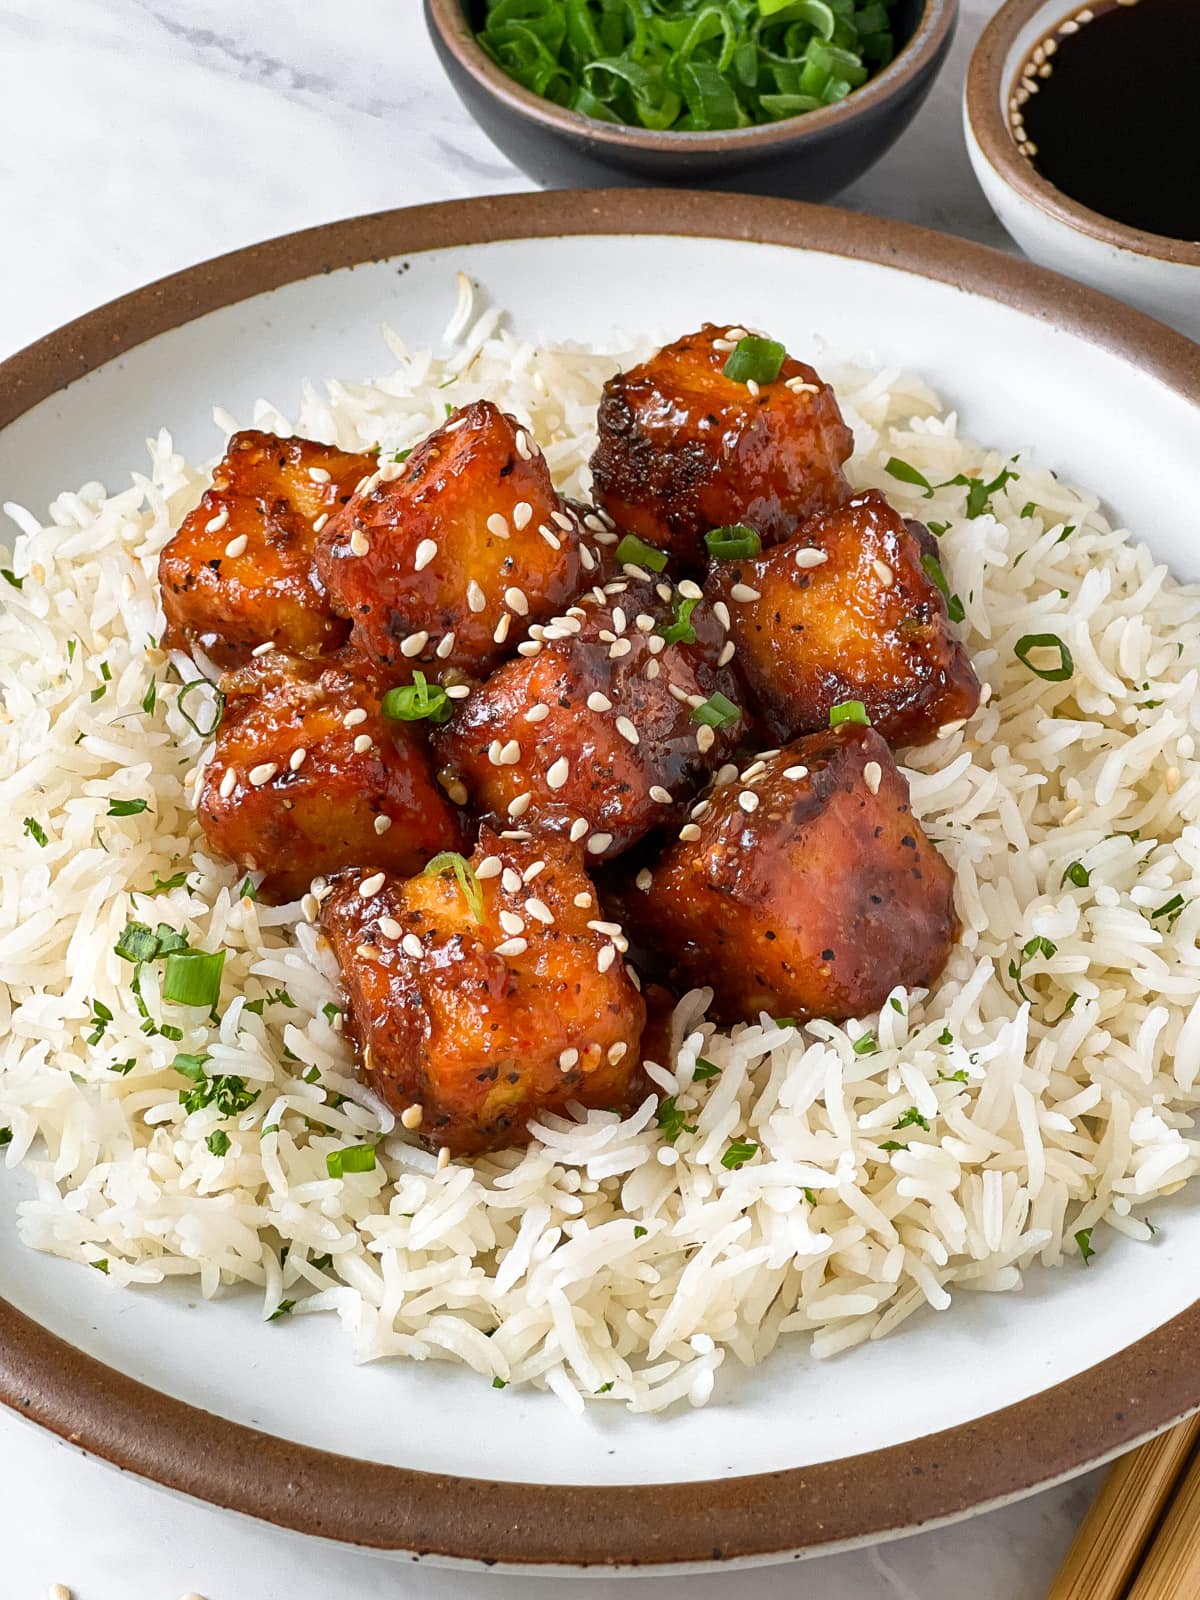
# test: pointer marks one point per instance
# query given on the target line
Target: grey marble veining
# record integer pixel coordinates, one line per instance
(139, 136)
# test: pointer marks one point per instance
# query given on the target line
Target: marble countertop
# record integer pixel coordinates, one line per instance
(139, 136)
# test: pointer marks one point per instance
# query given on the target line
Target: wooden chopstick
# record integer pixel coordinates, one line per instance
(1116, 1533)
(1170, 1568)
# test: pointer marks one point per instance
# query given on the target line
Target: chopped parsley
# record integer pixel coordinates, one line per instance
(1084, 1241)
(10, 576)
(36, 832)
(150, 697)
(638, 1231)
(892, 1144)
(671, 1120)
(932, 568)
(101, 1265)
(226, 1091)
(897, 468)
(912, 1118)
(1037, 946)
(945, 1037)
(954, 1077)
(205, 732)
(127, 808)
(605, 1387)
(739, 1152)
(249, 890)
(123, 1068)
(218, 1142)
(283, 1309)
(499, 1383)
(810, 1196)
(895, 1004)
(1170, 909)
(177, 880)
(1029, 509)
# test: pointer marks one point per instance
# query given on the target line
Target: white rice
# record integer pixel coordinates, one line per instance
(600, 1260)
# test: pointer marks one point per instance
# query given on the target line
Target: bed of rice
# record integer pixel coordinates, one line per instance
(599, 1261)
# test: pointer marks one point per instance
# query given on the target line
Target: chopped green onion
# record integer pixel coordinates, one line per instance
(283, 1309)
(680, 631)
(754, 360)
(499, 1383)
(1045, 641)
(218, 1142)
(127, 808)
(464, 872)
(849, 711)
(906, 474)
(705, 1070)
(866, 1045)
(10, 576)
(810, 1196)
(313, 1075)
(1077, 874)
(716, 712)
(6, 1135)
(352, 1158)
(604, 1387)
(636, 552)
(36, 832)
(418, 701)
(738, 542)
(137, 943)
(193, 977)
(895, 1004)
(1083, 1240)
(123, 1068)
(322, 1262)
(1037, 946)
(1170, 909)
(150, 697)
(892, 1144)
(1029, 509)
(177, 880)
(671, 1120)
(248, 890)
(912, 1118)
(191, 1066)
(331, 1012)
(101, 1017)
(739, 1152)
(218, 710)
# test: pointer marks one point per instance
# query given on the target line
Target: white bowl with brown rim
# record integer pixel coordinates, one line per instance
(1159, 274)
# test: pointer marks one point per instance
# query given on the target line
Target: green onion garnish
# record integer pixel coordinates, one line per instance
(849, 711)
(716, 712)
(636, 552)
(912, 1118)
(36, 832)
(10, 576)
(735, 543)
(1084, 1241)
(353, 1158)
(417, 701)
(866, 1045)
(1045, 641)
(177, 880)
(150, 697)
(705, 1069)
(127, 808)
(218, 1142)
(331, 1012)
(218, 710)
(101, 1017)
(137, 943)
(1037, 946)
(468, 882)
(680, 631)
(193, 977)
(671, 1120)
(754, 360)
(283, 1309)
(739, 1152)
(1077, 874)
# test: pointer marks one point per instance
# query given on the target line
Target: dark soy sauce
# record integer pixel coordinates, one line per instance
(1115, 122)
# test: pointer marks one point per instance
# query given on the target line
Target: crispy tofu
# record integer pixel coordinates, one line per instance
(683, 449)
(442, 561)
(482, 997)
(239, 572)
(850, 609)
(810, 890)
(308, 776)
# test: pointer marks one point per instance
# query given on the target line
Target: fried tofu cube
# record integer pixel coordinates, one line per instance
(683, 449)
(308, 776)
(601, 728)
(483, 994)
(239, 572)
(810, 891)
(442, 561)
(851, 609)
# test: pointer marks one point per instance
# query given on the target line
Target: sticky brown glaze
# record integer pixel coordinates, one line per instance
(816, 901)
(481, 1027)
(263, 492)
(442, 561)
(868, 623)
(613, 748)
(684, 449)
(299, 821)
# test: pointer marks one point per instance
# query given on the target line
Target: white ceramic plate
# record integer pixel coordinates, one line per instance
(796, 1456)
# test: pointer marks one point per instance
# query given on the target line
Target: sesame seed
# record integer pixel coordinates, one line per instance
(748, 801)
(443, 1158)
(510, 754)
(476, 599)
(948, 728)
(663, 591)
(390, 928)
(627, 730)
(412, 946)
(310, 906)
(411, 1116)
(610, 928)
(700, 808)
(653, 668)
(228, 783)
(721, 612)
(359, 543)
(563, 521)
(705, 738)
(414, 644)
(795, 773)
(727, 652)
(884, 573)
(497, 525)
(643, 622)
(489, 867)
(660, 795)
(617, 1051)
(621, 647)
(578, 828)
(512, 947)
(599, 843)
(631, 974)
(677, 693)
(367, 952)
(318, 474)
(237, 547)
(726, 775)
(353, 718)
(500, 632)
(689, 832)
(296, 759)
(522, 443)
(723, 344)
(583, 899)
(587, 559)
(558, 773)
(389, 471)
(362, 744)
(515, 598)
(644, 880)
(798, 386)
(743, 592)
(519, 806)
(568, 1058)
(382, 824)
(263, 773)
(59, 1591)
(736, 333)
(537, 713)
(872, 776)
(551, 537)
(811, 558)
(606, 958)
(215, 524)
(540, 911)
(445, 646)
(511, 922)
(263, 649)
(752, 386)
(522, 514)
(426, 551)
(754, 770)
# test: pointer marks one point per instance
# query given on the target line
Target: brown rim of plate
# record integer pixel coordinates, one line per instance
(1135, 1393)
(929, 37)
(987, 96)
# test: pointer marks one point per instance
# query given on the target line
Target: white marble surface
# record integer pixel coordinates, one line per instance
(138, 136)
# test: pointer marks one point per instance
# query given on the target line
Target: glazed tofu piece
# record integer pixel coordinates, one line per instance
(442, 561)
(602, 727)
(483, 994)
(850, 609)
(684, 449)
(805, 887)
(239, 572)
(308, 776)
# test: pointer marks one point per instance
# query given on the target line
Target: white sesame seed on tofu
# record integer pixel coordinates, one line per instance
(237, 547)
(706, 737)
(522, 443)
(412, 946)
(445, 646)
(748, 801)
(689, 833)
(353, 718)
(568, 1059)
(512, 947)
(414, 644)
(516, 600)
(558, 772)
(497, 525)
(476, 599)
(296, 759)
(578, 828)
(606, 958)
(458, 691)
(522, 515)
(598, 702)
(539, 911)
(655, 643)
(228, 783)
(510, 754)
(511, 922)
(426, 551)
(616, 1052)
(811, 558)
(563, 521)
(215, 524)
(390, 928)
(371, 886)
(263, 649)
(489, 867)
(550, 536)
(263, 773)
(587, 559)
(873, 776)
(627, 730)
(537, 713)
(660, 795)
(519, 806)
(362, 744)
(411, 1117)
(319, 474)
(500, 632)
(382, 824)
(743, 592)
(795, 773)
(726, 654)
(320, 522)
(583, 899)
(652, 668)
(599, 843)
(620, 648)
(690, 590)
(360, 545)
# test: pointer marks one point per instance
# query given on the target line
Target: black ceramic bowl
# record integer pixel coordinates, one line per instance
(807, 157)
